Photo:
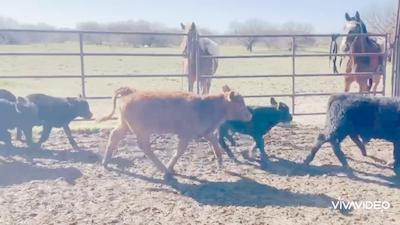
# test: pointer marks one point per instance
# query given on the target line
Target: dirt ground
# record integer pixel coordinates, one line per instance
(57, 185)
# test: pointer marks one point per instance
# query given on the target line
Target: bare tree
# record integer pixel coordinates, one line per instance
(252, 26)
(297, 28)
(97, 39)
(381, 20)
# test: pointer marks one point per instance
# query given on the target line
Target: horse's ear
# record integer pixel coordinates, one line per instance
(347, 17)
(193, 26)
(358, 17)
(183, 26)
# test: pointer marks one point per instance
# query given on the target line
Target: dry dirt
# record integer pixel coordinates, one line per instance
(57, 185)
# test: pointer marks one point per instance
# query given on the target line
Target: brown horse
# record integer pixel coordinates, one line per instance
(208, 66)
(361, 44)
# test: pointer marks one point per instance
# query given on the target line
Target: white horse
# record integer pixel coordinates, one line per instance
(208, 66)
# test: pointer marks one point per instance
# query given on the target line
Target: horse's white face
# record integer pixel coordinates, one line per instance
(189, 28)
(351, 27)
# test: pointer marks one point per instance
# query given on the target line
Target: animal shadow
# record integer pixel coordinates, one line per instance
(15, 172)
(31, 153)
(244, 192)
(285, 167)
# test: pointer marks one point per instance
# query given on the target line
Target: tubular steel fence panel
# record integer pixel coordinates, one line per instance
(293, 55)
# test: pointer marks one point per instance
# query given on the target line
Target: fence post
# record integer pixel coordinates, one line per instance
(385, 56)
(189, 52)
(396, 56)
(197, 47)
(82, 64)
(293, 72)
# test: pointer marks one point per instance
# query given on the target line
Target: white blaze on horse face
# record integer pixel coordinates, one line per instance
(350, 26)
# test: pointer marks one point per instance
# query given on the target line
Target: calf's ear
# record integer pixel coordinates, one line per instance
(21, 100)
(229, 96)
(183, 26)
(225, 88)
(19, 105)
(273, 101)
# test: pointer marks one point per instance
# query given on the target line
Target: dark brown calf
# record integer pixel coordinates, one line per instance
(186, 114)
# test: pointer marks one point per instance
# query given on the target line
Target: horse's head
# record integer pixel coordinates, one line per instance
(187, 41)
(354, 25)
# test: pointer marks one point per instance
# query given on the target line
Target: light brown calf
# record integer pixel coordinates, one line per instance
(184, 113)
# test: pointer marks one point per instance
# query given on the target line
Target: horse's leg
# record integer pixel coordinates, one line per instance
(376, 81)
(208, 85)
(347, 82)
(203, 86)
(363, 83)
(192, 79)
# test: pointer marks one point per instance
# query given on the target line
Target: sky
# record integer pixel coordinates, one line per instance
(327, 16)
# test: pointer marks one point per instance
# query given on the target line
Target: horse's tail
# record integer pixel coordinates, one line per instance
(333, 50)
(123, 91)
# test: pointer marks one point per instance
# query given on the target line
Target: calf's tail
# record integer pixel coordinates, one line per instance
(123, 91)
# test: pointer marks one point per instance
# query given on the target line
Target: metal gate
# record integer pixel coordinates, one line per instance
(293, 56)
(396, 58)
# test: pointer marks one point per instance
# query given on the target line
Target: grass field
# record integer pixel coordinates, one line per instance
(57, 185)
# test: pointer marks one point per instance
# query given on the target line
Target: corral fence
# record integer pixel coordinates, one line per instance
(293, 56)
(396, 57)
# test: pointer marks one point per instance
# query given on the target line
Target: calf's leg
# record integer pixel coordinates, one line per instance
(217, 150)
(230, 139)
(19, 134)
(182, 146)
(117, 134)
(223, 132)
(45, 133)
(321, 139)
(260, 145)
(28, 135)
(359, 144)
(396, 156)
(70, 138)
(144, 144)
(338, 152)
(5, 136)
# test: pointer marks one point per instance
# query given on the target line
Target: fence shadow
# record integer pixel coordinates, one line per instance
(17, 173)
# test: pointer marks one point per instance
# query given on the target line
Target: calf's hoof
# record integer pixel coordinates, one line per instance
(169, 177)
(230, 154)
(264, 163)
(104, 162)
(76, 148)
(34, 145)
(307, 161)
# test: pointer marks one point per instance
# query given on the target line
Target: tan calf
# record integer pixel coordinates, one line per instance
(184, 113)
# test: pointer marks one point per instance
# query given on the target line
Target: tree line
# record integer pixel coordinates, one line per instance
(377, 21)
